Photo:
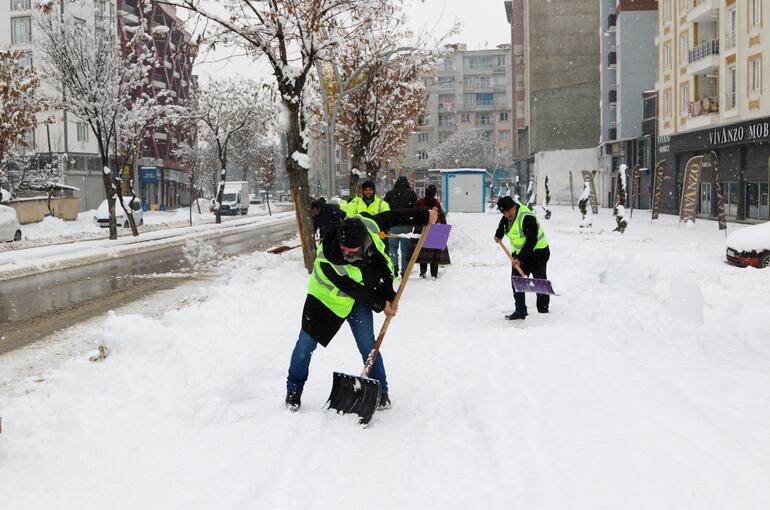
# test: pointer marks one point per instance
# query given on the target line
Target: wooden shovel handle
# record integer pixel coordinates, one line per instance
(376, 349)
(515, 263)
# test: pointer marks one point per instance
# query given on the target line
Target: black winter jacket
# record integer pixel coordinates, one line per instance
(377, 287)
(329, 215)
(401, 196)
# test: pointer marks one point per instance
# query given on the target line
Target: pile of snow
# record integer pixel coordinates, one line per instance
(755, 237)
(612, 400)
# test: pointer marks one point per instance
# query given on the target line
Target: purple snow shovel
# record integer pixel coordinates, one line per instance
(524, 284)
(360, 394)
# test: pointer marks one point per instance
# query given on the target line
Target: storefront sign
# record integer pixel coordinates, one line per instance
(689, 203)
(657, 194)
(148, 175)
(664, 143)
(751, 132)
(711, 156)
(589, 178)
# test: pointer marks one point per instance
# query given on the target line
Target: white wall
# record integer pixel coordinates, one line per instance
(557, 165)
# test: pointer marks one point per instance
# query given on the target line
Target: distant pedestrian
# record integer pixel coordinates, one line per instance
(429, 256)
(400, 197)
(325, 216)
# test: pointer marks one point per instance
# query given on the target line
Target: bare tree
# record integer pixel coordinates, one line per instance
(20, 109)
(293, 35)
(226, 109)
(96, 80)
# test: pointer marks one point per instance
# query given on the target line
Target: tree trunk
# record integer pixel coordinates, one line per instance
(220, 193)
(110, 194)
(356, 160)
(300, 189)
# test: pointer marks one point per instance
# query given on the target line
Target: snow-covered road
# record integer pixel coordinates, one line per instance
(647, 387)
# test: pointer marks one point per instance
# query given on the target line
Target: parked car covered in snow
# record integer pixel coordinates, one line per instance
(750, 246)
(10, 230)
(102, 216)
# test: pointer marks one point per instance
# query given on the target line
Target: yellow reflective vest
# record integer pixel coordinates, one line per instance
(516, 233)
(322, 287)
(357, 206)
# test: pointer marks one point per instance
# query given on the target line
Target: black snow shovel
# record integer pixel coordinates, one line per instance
(524, 284)
(360, 394)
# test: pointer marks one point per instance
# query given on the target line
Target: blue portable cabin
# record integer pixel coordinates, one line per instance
(463, 189)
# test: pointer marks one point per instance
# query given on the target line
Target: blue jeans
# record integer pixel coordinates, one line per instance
(406, 248)
(362, 325)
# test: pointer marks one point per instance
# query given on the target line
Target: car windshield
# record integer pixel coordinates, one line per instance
(229, 197)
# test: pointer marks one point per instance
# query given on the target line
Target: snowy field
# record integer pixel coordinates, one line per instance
(647, 387)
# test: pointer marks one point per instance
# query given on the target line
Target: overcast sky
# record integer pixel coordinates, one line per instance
(483, 25)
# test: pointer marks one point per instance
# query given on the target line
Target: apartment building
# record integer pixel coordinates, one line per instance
(714, 100)
(514, 12)
(66, 134)
(561, 125)
(470, 89)
(161, 180)
(628, 73)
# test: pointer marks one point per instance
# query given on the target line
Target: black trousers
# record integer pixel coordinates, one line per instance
(433, 268)
(537, 269)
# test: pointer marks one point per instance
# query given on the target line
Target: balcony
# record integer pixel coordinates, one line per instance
(612, 59)
(703, 112)
(703, 57)
(612, 132)
(613, 96)
(703, 11)
(612, 20)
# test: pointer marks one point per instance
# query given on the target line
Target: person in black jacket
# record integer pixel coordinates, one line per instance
(529, 249)
(351, 278)
(325, 216)
(400, 197)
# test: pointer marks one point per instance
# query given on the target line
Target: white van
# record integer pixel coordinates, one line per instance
(235, 199)
(102, 217)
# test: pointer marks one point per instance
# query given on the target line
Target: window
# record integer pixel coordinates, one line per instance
(731, 26)
(422, 137)
(82, 132)
(422, 155)
(684, 98)
(730, 193)
(20, 5)
(21, 30)
(730, 87)
(29, 138)
(446, 65)
(684, 48)
(667, 55)
(485, 82)
(446, 120)
(504, 136)
(469, 99)
(446, 82)
(483, 119)
(485, 99)
(25, 59)
(468, 81)
(477, 62)
(756, 13)
(755, 75)
(465, 117)
(500, 60)
(756, 200)
(503, 116)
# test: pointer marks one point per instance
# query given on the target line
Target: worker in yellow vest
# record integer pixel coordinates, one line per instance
(529, 248)
(368, 201)
(352, 277)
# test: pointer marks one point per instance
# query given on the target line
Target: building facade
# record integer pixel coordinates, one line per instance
(628, 72)
(470, 89)
(160, 179)
(714, 101)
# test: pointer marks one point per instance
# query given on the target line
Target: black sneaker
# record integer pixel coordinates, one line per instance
(384, 402)
(542, 310)
(293, 401)
(517, 315)
(422, 275)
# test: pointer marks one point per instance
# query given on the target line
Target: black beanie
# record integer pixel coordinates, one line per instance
(352, 233)
(367, 184)
(505, 203)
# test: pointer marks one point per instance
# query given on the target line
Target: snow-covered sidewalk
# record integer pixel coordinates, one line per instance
(647, 387)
